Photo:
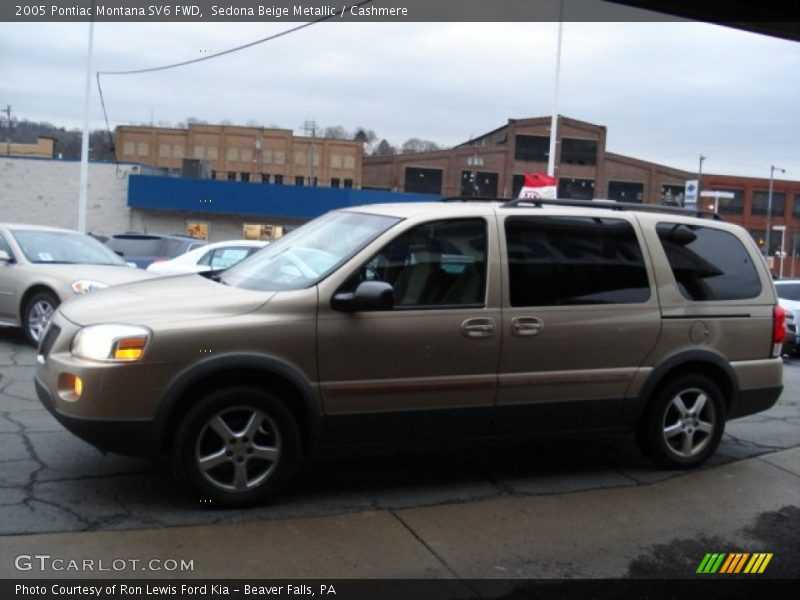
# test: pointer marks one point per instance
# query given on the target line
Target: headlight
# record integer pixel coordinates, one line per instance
(87, 285)
(111, 342)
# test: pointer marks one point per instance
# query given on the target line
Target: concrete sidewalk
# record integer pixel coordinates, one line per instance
(598, 533)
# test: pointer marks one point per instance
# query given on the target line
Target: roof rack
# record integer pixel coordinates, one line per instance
(475, 199)
(611, 205)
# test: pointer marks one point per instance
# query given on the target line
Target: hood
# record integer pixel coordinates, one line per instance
(108, 274)
(792, 305)
(163, 299)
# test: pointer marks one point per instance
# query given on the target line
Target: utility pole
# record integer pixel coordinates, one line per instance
(8, 134)
(700, 175)
(772, 170)
(83, 190)
(551, 162)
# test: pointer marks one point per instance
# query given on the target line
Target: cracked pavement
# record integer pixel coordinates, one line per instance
(50, 481)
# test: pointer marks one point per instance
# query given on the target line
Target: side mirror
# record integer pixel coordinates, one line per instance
(369, 295)
(5, 257)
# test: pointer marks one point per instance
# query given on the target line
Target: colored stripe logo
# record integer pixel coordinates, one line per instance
(734, 563)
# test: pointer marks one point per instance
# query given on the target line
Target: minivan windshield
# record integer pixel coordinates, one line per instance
(308, 254)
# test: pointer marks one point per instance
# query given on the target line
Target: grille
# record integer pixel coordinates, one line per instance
(48, 340)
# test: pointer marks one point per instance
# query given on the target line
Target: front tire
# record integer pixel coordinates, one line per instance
(684, 424)
(36, 315)
(236, 446)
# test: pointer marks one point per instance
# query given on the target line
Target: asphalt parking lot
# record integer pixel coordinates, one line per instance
(53, 483)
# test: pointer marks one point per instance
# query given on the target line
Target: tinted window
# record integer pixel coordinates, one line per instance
(535, 148)
(788, 291)
(477, 183)
(558, 261)
(136, 246)
(441, 263)
(421, 181)
(708, 264)
(761, 203)
(578, 152)
(625, 191)
(575, 189)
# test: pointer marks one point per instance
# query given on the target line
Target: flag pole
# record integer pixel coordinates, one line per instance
(551, 163)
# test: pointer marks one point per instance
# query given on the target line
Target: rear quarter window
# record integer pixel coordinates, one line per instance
(708, 263)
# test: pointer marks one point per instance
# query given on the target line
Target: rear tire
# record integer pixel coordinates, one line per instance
(36, 315)
(684, 423)
(236, 446)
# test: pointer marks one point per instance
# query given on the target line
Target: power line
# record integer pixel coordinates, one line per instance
(201, 59)
(231, 50)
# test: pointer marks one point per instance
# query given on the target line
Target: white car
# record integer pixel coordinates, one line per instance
(789, 298)
(219, 255)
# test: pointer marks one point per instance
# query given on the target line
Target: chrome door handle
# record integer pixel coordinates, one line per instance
(526, 326)
(478, 328)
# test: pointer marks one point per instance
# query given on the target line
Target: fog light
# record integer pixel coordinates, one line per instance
(70, 387)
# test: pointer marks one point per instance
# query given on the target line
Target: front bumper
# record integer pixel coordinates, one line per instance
(130, 437)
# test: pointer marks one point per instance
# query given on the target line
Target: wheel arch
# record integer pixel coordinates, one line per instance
(30, 293)
(264, 372)
(702, 362)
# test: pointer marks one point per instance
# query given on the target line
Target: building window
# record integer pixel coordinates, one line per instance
(279, 157)
(336, 161)
(476, 183)
(177, 151)
(213, 174)
(727, 206)
(197, 229)
(259, 231)
(142, 149)
(626, 191)
(335, 182)
(761, 202)
(266, 156)
(423, 181)
(247, 155)
(299, 180)
(796, 206)
(129, 149)
(516, 185)
(349, 162)
(575, 189)
(244, 176)
(534, 148)
(231, 175)
(315, 156)
(212, 153)
(348, 183)
(278, 179)
(265, 178)
(672, 195)
(299, 158)
(312, 182)
(578, 152)
(164, 150)
(199, 151)
(232, 154)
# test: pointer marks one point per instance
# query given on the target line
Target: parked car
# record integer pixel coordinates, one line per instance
(219, 255)
(538, 317)
(40, 267)
(143, 249)
(789, 298)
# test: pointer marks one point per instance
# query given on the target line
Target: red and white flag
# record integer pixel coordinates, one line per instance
(538, 185)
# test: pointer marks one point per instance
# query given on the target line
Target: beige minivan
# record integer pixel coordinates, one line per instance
(445, 320)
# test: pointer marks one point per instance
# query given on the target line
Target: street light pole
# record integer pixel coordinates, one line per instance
(772, 170)
(700, 175)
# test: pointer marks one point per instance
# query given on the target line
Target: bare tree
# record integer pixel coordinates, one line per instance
(418, 145)
(366, 137)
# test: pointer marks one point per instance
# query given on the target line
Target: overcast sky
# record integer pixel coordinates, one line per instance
(667, 92)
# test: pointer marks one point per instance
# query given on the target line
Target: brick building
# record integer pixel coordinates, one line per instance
(249, 154)
(43, 148)
(493, 165)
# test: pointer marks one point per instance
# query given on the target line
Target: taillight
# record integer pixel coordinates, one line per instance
(778, 329)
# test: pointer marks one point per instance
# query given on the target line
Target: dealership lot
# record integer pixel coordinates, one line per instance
(52, 482)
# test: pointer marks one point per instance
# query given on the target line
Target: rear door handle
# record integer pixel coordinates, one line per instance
(526, 326)
(478, 328)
